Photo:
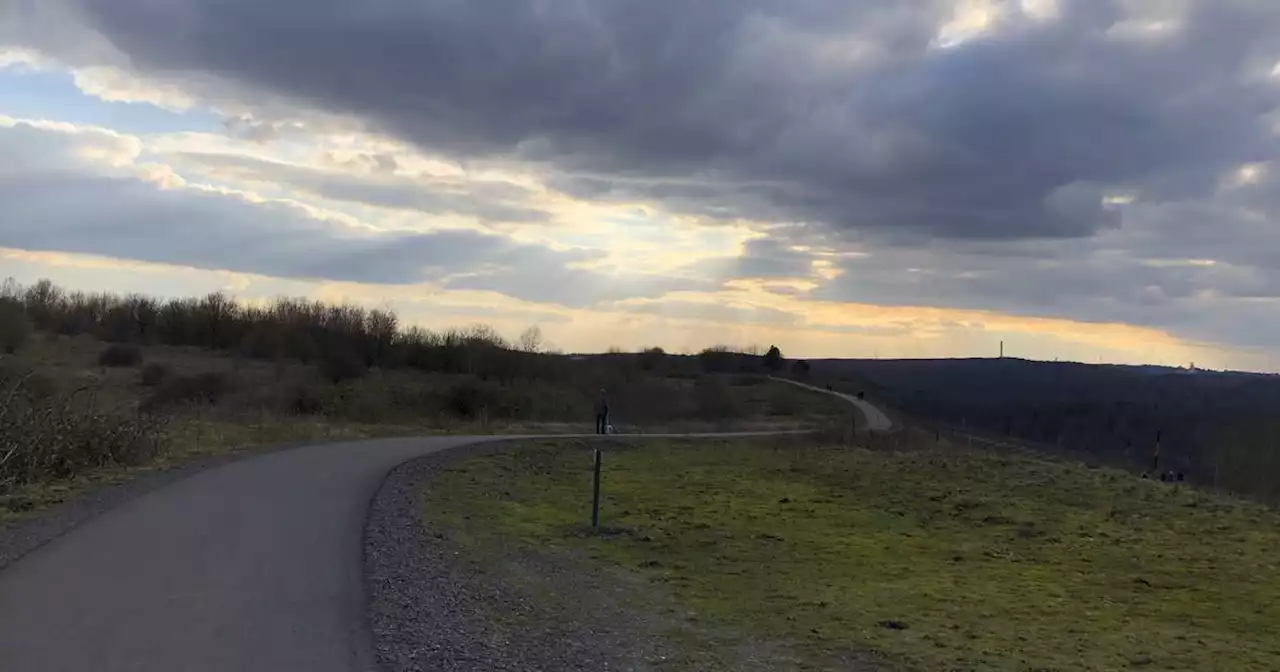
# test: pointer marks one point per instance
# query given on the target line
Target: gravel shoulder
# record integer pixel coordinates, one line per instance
(435, 606)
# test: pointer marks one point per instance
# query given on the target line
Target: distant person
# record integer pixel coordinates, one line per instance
(602, 414)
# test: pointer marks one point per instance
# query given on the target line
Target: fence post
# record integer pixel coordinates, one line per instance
(1155, 459)
(595, 493)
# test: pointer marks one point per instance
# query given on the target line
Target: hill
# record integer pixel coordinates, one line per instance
(1217, 428)
(765, 555)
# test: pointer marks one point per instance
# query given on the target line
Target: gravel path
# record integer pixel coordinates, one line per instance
(876, 419)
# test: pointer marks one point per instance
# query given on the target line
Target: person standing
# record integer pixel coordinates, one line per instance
(602, 414)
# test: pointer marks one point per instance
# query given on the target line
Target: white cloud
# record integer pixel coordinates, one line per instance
(118, 86)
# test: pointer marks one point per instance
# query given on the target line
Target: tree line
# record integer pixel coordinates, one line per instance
(343, 340)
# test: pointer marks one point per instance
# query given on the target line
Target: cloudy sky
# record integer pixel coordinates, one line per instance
(1083, 179)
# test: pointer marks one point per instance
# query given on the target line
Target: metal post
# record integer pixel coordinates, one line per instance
(595, 495)
(1155, 459)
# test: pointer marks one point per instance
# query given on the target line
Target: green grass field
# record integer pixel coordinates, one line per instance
(936, 558)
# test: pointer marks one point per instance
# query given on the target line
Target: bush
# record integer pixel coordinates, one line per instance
(306, 401)
(47, 437)
(121, 354)
(202, 388)
(469, 399)
(713, 399)
(340, 367)
(653, 359)
(40, 387)
(15, 326)
(773, 359)
(153, 374)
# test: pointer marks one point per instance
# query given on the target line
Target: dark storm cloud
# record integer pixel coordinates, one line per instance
(753, 108)
(1225, 292)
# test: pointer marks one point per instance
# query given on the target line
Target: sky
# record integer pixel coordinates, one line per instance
(1086, 180)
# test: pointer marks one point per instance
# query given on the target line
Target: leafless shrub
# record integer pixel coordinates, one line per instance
(54, 437)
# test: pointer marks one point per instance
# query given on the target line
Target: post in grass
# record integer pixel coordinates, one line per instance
(595, 494)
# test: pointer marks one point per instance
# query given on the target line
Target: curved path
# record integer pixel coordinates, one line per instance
(253, 565)
(876, 419)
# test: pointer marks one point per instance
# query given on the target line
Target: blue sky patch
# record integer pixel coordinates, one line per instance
(43, 94)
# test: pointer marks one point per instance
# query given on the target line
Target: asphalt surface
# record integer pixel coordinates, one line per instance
(252, 565)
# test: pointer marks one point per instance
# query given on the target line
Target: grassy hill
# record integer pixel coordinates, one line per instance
(923, 557)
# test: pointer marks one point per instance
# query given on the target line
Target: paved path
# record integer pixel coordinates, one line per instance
(876, 419)
(254, 565)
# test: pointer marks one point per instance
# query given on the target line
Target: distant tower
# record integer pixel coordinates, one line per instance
(1001, 349)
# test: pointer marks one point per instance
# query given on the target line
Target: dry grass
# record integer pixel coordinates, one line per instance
(47, 435)
(199, 402)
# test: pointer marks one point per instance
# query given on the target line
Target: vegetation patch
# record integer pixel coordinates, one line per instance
(934, 556)
(46, 435)
(121, 354)
(102, 384)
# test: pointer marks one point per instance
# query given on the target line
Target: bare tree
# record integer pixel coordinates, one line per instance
(216, 311)
(382, 326)
(531, 339)
(11, 290)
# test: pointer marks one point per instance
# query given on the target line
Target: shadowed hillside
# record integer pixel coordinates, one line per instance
(1221, 427)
